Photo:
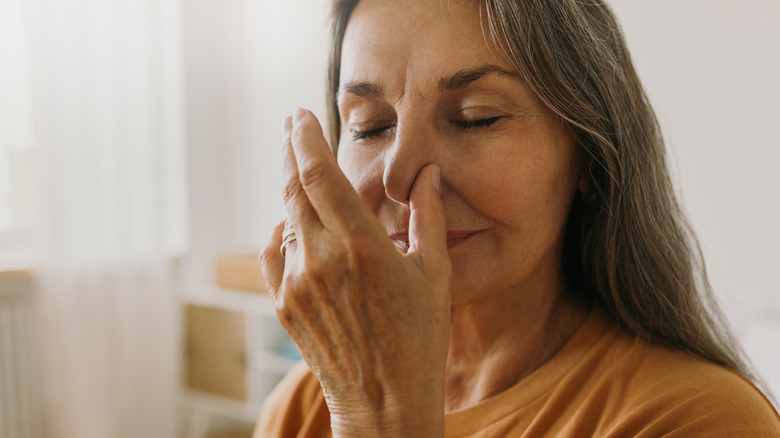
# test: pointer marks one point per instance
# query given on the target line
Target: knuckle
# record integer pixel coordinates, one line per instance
(291, 192)
(265, 256)
(263, 260)
(363, 247)
(323, 261)
(314, 170)
(294, 298)
(286, 136)
(317, 269)
(283, 315)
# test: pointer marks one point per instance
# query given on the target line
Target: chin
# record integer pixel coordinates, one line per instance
(465, 289)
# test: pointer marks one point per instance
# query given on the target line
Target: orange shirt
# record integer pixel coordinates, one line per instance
(603, 382)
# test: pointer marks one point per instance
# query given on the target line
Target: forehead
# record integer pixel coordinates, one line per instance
(399, 43)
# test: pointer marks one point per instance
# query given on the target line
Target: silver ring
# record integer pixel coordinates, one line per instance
(288, 237)
(288, 232)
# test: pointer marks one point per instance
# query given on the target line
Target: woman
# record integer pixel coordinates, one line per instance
(497, 250)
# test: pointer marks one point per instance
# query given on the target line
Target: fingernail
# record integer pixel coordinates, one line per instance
(436, 178)
(298, 115)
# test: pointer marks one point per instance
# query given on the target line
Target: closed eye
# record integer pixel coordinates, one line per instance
(463, 124)
(481, 123)
(371, 133)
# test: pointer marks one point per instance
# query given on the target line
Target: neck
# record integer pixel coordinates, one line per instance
(497, 342)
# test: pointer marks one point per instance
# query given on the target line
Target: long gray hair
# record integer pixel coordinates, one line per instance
(628, 245)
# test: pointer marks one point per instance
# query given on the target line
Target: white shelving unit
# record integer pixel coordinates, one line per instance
(264, 365)
(211, 404)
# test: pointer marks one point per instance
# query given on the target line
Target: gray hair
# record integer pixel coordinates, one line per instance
(628, 244)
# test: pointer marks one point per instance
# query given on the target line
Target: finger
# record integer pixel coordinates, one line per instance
(271, 261)
(328, 189)
(427, 224)
(301, 214)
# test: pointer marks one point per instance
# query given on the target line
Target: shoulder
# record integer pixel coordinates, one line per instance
(672, 392)
(295, 405)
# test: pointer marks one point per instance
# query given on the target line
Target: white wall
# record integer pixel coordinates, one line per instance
(710, 68)
(249, 63)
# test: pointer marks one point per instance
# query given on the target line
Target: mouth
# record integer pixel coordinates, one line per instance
(454, 238)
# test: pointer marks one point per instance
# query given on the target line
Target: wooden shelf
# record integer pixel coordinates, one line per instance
(228, 299)
(224, 406)
(268, 362)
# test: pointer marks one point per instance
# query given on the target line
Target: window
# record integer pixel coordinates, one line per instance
(15, 186)
(16, 137)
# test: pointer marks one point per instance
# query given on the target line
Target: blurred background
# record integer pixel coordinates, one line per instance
(139, 176)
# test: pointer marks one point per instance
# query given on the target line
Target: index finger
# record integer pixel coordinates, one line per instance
(328, 189)
(302, 215)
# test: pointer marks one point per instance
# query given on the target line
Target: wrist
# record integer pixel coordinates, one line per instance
(388, 417)
(387, 425)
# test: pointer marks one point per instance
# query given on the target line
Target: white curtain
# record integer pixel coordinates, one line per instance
(108, 126)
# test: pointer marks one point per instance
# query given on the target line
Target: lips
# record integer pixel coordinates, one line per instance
(454, 238)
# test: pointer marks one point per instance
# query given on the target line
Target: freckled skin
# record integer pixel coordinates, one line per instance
(513, 181)
(472, 180)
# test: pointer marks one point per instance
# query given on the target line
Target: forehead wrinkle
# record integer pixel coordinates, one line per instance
(374, 83)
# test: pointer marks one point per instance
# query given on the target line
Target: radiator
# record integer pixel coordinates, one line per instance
(19, 413)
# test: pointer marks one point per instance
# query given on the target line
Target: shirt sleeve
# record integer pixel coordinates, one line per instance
(732, 407)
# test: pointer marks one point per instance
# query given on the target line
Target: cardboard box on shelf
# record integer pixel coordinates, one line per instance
(240, 271)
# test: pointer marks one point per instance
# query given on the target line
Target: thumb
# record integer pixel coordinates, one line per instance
(427, 225)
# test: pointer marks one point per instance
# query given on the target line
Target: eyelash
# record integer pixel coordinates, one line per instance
(462, 124)
(360, 135)
(481, 123)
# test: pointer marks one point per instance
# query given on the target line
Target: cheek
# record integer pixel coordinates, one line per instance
(497, 187)
(364, 170)
(532, 190)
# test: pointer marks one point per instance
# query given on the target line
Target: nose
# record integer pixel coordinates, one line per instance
(412, 150)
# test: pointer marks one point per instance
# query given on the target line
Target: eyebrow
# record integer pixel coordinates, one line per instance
(464, 78)
(455, 81)
(363, 89)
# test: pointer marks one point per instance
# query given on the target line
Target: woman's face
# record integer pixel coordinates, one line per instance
(420, 85)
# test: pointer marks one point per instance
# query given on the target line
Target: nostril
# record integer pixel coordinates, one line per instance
(395, 187)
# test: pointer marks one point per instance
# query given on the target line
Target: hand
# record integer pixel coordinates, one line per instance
(371, 323)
